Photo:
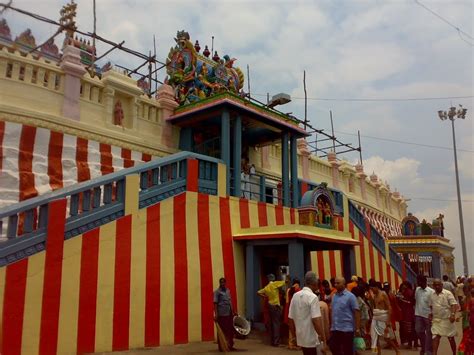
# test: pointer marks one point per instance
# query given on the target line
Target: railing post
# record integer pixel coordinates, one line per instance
(192, 175)
(221, 180)
(132, 188)
(12, 226)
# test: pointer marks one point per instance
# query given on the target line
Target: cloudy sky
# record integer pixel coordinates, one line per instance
(371, 49)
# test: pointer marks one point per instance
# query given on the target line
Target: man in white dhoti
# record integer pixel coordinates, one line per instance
(443, 314)
(381, 322)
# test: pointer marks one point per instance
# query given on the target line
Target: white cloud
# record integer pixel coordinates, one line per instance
(401, 171)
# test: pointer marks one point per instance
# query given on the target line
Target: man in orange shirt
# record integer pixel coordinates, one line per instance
(353, 283)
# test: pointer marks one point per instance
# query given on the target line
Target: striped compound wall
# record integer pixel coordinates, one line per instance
(37, 160)
(370, 262)
(143, 280)
(147, 278)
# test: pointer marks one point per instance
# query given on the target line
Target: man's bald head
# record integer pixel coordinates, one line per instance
(438, 285)
(340, 283)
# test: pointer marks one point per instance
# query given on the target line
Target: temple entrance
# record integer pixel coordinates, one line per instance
(273, 260)
(281, 257)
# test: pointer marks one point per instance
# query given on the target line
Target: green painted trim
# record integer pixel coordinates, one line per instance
(234, 97)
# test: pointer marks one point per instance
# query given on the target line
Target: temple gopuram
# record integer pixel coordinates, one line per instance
(424, 247)
(122, 206)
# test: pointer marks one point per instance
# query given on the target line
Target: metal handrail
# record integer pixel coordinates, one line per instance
(101, 193)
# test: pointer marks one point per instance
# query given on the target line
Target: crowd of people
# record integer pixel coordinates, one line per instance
(348, 318)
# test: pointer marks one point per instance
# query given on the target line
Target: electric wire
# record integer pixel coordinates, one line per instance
(460, 32)
(405, 142)
(438, 199)
(379, 99)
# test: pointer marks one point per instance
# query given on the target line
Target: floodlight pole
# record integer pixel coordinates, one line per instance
(452, 114)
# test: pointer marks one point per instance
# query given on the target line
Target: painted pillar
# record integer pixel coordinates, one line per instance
(375, 181)
(73, 70)
(332, 158)
(349, 264)
(186, 139)
(165, 97)
(305, 153)
(397, 196)
(296, 259)
(284, 170)
(362, 176)
(436, 266)
(225, 144)
(262, 186)
(295, 202)
(252, 273)
(237, 154)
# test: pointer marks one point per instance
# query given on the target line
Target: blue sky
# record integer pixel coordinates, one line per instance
(349, 49)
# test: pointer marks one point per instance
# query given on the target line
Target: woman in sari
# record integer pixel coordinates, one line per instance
(406, 302)
(466, 347)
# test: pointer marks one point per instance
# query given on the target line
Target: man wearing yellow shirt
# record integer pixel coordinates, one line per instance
(272, 293)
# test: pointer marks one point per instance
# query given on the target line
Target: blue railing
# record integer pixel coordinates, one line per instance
(377, 240)
(98, 201)
(258, 187)
(411, 275)
(396, 261)
(357, 218)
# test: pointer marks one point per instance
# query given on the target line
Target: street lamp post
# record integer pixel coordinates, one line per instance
(452, 114)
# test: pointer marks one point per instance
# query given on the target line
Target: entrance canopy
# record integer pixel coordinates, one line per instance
(260, 125)
(297, 232)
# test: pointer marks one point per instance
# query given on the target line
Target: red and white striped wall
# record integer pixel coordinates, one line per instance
(370, 262)
(145, 279)
(385, 225)
(36, 160)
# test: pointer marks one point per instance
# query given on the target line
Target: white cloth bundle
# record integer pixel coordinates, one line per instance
(378, 326)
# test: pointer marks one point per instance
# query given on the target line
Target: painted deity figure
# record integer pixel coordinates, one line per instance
(327, 214)
(118, 114)
(320, 211)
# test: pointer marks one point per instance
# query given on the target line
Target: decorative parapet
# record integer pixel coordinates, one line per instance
(36, 86)
(29, 82)
(165, 98)
(305, 153)
(73, 70)
(362, 176)
(332, 159)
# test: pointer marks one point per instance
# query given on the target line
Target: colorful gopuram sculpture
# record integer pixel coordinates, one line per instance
(194, 76)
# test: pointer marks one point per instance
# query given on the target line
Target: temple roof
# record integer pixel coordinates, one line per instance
(292, 231)
(256, 115)
(419, 240)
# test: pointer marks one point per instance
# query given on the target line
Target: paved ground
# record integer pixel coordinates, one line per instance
(255, 345)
